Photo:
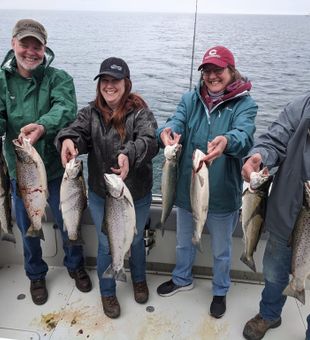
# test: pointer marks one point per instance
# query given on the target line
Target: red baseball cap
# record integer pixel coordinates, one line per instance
(219, 56)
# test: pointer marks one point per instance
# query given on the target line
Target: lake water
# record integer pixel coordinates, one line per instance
(272, 51)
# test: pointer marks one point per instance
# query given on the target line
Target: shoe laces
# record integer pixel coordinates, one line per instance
(140, 287)
(81, 274)
(111, 301)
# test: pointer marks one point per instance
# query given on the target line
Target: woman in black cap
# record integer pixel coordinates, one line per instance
(117, 131)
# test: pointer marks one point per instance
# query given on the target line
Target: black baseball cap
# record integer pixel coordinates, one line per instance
(114, 67)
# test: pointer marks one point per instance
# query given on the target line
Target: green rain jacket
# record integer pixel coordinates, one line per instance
(47, 98)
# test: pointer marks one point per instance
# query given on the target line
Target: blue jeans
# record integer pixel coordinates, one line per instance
(221, 227)
(276, 270)
(308, 329)
(35, 267)
(137, 262)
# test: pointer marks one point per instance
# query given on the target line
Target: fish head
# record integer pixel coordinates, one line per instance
(23, 150)
(114, 185)
(257, 179)
(172, 151)
(73, 168)
(197, 160)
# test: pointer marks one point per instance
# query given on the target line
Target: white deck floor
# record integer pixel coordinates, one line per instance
(70, 314)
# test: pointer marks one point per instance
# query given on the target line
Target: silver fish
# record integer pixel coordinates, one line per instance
(253, 216)
(5, 202)
(300, 250)
(119, 224)
(32, 184)
(199, 195)
(169, 180)
(73, 199)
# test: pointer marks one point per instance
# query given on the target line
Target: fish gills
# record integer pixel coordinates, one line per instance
(199, 196)
(73, 199)
(32, 184)
(169, 180)
(253, 216)
(300, 250)
(119, 224)
(5, 202)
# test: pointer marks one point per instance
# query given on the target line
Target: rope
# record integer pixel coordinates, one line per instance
(193, 49)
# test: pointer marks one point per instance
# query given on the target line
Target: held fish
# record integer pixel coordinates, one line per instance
(119, 224)
(300, 250)
(169, 180)
(32, 184)
(73, 199)
(253, 215)
(199, 195)
(5, 202)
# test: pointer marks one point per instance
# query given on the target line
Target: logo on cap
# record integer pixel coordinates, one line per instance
(116, 67)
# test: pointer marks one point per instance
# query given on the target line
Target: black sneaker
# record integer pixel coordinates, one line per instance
(169, 288)
(218, 306)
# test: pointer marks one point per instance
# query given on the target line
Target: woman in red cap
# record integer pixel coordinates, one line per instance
(218, 118)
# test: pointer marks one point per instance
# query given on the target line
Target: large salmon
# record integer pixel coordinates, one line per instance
(300, 250)
(73, 199)
(169, 180)
(32, 184)
(199, 195)
(5, 201)
(119, 224)
(253, 214)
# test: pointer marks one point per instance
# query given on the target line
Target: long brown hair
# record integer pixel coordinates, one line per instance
(129, 101)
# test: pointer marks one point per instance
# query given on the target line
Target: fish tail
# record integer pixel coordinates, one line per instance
(77, 242)
(298, 294)
(109, 273)
(75, 238)
(35, 233)
(8, 237)
(249, 261)
(121, 275)
(160, 226)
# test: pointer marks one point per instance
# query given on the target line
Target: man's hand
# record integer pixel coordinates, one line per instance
(32, 131)
(251, 165)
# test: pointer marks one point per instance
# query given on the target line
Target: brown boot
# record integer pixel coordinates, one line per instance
(111, 306)
(141, 291)
(256, 328)
(82, 280)
(38, 291)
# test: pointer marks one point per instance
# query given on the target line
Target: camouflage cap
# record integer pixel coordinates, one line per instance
(29, 28)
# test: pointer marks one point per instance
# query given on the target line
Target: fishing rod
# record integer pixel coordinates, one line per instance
(193, 49)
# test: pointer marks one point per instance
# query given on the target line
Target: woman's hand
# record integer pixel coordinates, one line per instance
(215, 149)
(68, 151)
(169, 138)
(251, 165)
(123, 164)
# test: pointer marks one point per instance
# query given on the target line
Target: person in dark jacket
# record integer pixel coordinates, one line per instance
(217, 117)
(36, 101)
(117, 131)
(285, 145)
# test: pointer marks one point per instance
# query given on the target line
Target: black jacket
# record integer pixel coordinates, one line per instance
(102, 143)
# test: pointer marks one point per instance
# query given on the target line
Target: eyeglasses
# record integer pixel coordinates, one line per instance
(217, 70)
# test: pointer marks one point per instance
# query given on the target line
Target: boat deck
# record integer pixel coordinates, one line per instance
(70, 314)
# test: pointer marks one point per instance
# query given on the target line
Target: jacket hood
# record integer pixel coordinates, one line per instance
(9, 61)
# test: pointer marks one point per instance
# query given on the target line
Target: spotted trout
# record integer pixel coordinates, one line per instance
(73, 199)
(32, 184)
(119, 224)
(5, 201)
(300, 250)
(253, 214)
(199, 195)
(169, 180)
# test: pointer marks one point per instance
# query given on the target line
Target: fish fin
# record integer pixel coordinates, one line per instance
(248, 261)
(109, 273)
(8, 237)
(299, 295)
(31, 232)
(160, 225)
(121, 275)
(104, 228)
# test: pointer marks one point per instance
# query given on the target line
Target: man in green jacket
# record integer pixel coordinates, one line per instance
(36, 101)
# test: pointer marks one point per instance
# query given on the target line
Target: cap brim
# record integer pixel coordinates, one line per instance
(112, 74)
(213, 61)
(25, 35)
